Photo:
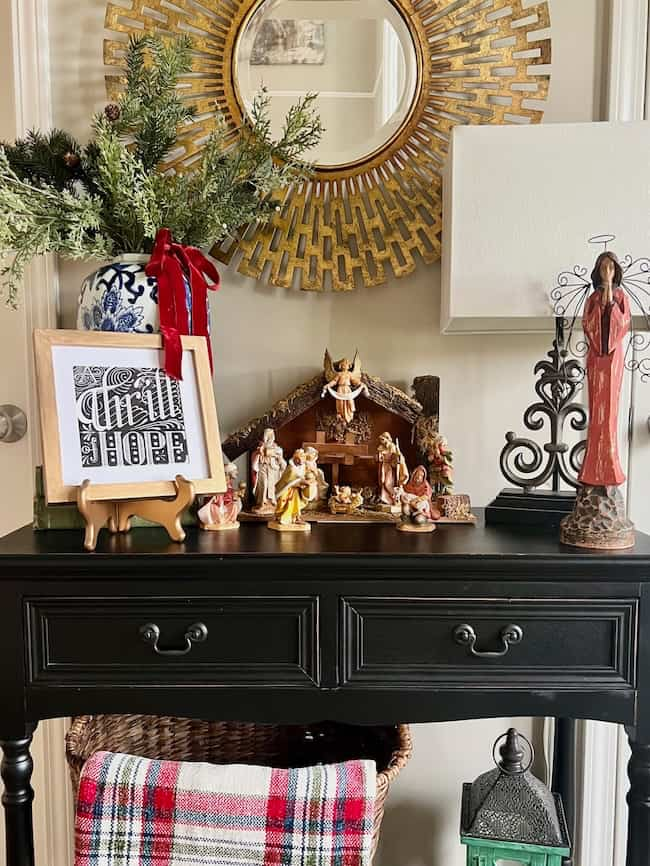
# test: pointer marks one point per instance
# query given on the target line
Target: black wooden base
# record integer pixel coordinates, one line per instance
(540, 508)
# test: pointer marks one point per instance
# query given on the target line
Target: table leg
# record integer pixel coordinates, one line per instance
(564, 772)
(638, 799)
(16, 771)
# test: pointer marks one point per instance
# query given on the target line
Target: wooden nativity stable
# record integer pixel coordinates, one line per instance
(308, 416)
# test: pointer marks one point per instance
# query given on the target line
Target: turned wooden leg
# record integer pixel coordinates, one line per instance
(16, 771)
(638, 799)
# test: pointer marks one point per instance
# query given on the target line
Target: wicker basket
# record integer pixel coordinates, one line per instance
(174, 739)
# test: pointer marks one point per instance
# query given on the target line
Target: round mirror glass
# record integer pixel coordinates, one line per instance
(358, 55)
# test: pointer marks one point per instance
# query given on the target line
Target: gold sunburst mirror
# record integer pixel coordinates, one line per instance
(393, 76)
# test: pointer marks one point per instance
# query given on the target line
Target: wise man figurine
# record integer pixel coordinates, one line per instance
(293, 492)
(598, 519)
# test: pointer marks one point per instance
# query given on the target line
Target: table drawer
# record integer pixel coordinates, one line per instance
(256, 640)
(428, 642)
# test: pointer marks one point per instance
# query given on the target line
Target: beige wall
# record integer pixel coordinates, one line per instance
(7, 113)
(266, 340)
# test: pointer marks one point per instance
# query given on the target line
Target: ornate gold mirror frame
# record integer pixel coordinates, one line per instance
(361, 223)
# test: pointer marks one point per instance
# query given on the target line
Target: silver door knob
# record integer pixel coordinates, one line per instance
(13, 423)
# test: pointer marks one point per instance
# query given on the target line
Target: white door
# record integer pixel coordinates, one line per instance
(21, 101)
(15, 457)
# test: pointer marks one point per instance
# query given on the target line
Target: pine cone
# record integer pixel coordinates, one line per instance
(113, 112)
(71, 159)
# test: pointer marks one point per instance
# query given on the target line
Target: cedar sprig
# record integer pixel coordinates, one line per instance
(151, 109)
(38, 218)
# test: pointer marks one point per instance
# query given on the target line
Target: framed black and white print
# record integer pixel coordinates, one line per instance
(111, 415)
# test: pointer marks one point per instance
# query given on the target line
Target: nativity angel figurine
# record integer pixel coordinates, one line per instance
(267, 466)
(344, 383)
(221, 512)
(293, 495)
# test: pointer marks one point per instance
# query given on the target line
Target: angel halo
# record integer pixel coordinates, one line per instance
(343, 382)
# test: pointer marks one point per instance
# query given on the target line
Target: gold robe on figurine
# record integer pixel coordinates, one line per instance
(292, 494)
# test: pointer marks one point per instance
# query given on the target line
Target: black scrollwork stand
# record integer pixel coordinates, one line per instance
(529, 466)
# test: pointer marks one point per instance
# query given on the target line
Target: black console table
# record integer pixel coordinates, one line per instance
(359, 624)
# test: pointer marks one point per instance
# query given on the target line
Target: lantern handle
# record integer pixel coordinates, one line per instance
(500, 764)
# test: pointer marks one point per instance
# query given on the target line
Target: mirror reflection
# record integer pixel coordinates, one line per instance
(358, 55)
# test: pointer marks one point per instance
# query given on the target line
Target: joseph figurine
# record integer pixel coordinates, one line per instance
(393, 472)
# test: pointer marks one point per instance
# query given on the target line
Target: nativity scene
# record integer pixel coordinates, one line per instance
(347, 447)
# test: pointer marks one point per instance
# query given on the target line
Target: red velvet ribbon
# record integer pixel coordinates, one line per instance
(171, 264)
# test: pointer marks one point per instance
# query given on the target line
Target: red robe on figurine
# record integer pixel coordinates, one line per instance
(418, 488)
(605, 327)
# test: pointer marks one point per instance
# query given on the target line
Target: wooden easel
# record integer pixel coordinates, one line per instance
(116, 514)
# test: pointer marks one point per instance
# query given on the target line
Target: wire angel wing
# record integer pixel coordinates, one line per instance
(356, 367)
(636, 282)
(328, 367)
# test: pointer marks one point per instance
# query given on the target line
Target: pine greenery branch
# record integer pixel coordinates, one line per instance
(54, 158)
(112, 197)
(38, 219)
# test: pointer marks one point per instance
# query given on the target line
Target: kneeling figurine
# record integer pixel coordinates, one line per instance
(221, 512)
(293, 493)
(418, 513)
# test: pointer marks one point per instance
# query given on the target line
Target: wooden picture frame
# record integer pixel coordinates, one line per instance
(122, 453)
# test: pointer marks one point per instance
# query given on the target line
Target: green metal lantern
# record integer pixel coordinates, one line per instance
(508, 814)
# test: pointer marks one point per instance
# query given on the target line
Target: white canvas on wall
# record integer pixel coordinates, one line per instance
(520, 204)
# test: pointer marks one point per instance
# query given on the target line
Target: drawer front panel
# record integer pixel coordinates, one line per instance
(231, 640)
(577, 644)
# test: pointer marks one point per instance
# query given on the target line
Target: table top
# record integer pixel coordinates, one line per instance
(336, 541)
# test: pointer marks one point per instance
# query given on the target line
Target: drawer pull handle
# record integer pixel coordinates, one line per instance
(466, 636)
(196, 633)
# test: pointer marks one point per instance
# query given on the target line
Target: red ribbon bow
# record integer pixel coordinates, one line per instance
(172, 264)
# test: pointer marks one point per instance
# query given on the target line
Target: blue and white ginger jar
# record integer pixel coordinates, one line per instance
(120, 297)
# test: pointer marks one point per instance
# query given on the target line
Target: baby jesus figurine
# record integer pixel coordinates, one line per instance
(345, 500)
(293, 493)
